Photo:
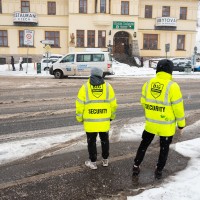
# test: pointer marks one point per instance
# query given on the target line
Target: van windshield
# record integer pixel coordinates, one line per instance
(68, 58)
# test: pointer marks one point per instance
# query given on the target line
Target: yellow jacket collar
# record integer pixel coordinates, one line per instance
(164, 75)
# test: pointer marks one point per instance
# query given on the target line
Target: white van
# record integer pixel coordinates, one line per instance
(80, 64)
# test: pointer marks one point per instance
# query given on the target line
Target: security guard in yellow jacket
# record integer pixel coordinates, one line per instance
(164, 112)
(96, 106)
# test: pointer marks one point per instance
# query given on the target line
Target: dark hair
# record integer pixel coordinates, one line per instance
(165, 65)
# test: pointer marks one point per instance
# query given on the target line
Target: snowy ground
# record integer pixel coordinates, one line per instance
(184, 185)
(120, 69)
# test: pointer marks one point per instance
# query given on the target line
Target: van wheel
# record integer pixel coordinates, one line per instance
(58, 74)
(104, 74)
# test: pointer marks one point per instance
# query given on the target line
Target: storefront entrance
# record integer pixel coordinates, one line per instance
(121, 43)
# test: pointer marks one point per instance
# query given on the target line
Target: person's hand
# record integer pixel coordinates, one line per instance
(180, 130)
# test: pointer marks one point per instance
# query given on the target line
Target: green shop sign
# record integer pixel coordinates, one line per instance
(123, 25)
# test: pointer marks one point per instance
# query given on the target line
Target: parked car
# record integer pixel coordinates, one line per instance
(197, 68)
(55, 57)
(46, 64)
(153, 62)
(177, 61)
(183, 66)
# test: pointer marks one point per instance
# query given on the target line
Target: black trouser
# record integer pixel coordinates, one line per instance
(92, 148)
(20, 69)
(13, 66)
(146, 141)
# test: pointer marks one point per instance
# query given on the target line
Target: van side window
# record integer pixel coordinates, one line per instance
(68, 58)
(84, 57)
(98, 57)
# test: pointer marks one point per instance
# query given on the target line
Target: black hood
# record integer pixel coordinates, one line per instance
(165, 65)
(96, 80)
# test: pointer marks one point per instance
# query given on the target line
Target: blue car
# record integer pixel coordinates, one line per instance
(197, 68)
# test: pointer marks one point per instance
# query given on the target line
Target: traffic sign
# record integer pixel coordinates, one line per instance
(47, 41)
(28, 37)
(167, 47)
(47, 47)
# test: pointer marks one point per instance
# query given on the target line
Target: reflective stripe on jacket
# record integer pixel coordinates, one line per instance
(163, 105)
(95, 106)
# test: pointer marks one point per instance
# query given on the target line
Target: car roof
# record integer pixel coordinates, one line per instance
(181, 58)
(45, 59)
(89, 52)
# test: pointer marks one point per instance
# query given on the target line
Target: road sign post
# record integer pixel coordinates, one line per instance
(28, 40)
(193, 61)
(167, 48)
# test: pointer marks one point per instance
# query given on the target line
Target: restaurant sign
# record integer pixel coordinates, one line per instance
(25, 17)
(123, 25)
(166, 21)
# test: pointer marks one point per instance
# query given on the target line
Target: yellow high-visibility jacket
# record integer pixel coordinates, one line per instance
(96, 106)
(163, 104)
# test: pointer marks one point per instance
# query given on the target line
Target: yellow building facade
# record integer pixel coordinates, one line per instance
(178, 28)
(135, 27)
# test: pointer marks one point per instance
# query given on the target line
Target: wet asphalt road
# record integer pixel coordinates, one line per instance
(65, 177)
(32, 104)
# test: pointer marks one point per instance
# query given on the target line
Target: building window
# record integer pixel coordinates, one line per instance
(82, 6)
(3, 38)
(95, 6)
(25, 6)
(0, 6)
(166, 11)
(51, 8)
(21, 38)
(180, 42)
(109, 6)
(91, 38)
(2, 61)
(183, 13)
(125, 8)
(101, 38)
(150, 41)
(103, 6)
(80, 38)
(53, 35)
(148, 11)
(84, 58)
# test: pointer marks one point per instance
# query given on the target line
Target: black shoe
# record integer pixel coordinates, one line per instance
(158, 174)
(136, 170)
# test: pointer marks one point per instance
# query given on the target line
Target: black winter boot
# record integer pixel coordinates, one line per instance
(158, 174)
(136, 170)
